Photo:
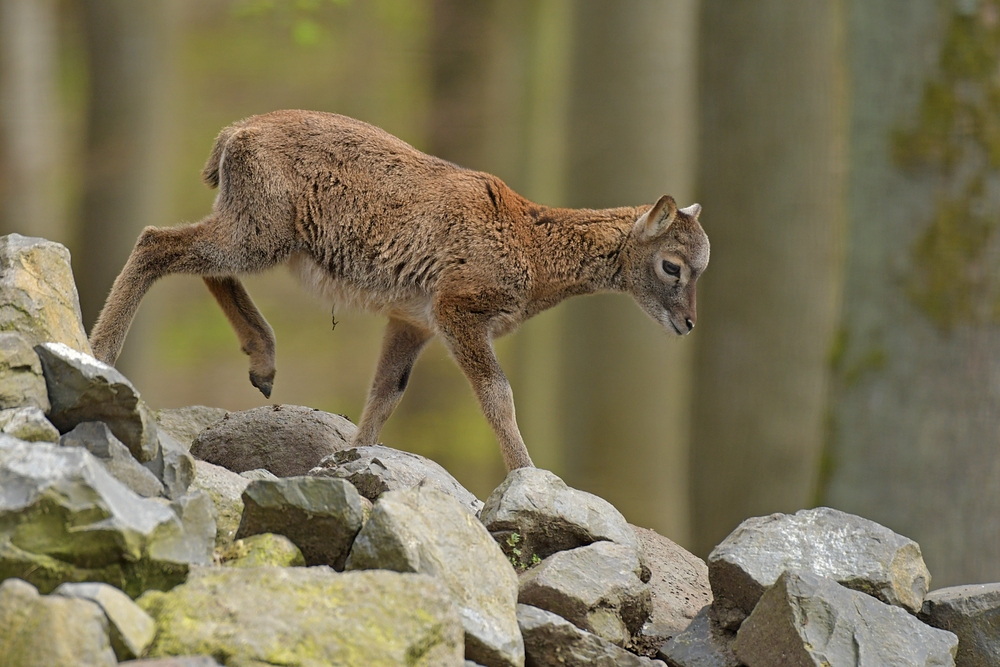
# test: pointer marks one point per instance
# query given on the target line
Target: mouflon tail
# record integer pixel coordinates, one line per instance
(210, 174)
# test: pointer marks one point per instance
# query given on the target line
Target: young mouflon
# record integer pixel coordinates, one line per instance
(368, 221)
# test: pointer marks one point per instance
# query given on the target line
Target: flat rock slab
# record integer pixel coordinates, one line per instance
(21, 380)
(132, 629)
(679, 586)
(377, 469)
(288, 440)
(98, 439)
(83, 389)
(596, 587)
(63, 517)
(973, 614)
(320, 515)
(184, 424)
(549, 516)
(38, 296)
(810, 621)
(702, 644)
(28, 423)
(426, 530)
(51, 630)
(552, 641)
(258, 473)
(856, 552)
(225, 488)
(308, 616)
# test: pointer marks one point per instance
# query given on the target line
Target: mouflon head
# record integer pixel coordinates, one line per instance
(669, 253)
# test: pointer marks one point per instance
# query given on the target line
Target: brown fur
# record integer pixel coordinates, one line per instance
(368, 221)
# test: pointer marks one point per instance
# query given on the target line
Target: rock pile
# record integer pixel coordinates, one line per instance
(196, 537)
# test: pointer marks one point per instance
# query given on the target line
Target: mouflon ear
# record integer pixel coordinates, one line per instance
(693, 211)
(656, 220)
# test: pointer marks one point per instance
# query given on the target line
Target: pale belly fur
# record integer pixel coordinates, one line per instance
(413, 307)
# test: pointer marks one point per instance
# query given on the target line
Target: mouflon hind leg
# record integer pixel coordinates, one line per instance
(401, 346)
(465, 332)
(157, 252)
(255, 334)
(206, 248)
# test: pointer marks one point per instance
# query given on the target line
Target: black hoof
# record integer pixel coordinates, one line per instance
(262, 383)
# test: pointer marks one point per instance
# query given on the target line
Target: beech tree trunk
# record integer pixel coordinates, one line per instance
(915, 421)
(632, 133)
(127, 153)
(30, 200)
(771, 183)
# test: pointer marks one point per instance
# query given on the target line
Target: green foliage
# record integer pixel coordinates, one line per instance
(299, 17)
(957, 137)
(515, 555)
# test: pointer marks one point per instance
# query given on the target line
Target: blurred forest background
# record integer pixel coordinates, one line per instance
(846, 153)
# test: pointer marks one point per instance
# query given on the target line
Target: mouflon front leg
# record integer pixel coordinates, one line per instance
(465, 332)
(401, 346)
(255, 334)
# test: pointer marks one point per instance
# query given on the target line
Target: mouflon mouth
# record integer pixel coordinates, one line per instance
(679, 332)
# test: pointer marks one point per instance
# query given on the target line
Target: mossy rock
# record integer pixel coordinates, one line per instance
(308, 616)
(38, 296)
(263, 549)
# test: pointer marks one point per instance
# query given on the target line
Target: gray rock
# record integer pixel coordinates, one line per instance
(856, 552)
(679, 586)
(287, 440)
(596, 587)
(973, 613)
(173, 466)
(702, 644)
(552, 641)
(257, 473)
(83, 389)
(225, 488)
(51, 630)
(38, 296)
(549, 516)
(21, 380)
(63, 517)
(308, 616)
(806, 620)
(184, 424)
(177, 661)
(320, 515)
(29, 424)
(197, 515)
(132, 629)
(366, 510)
(377, 469)
(98, 439)
(426, 530)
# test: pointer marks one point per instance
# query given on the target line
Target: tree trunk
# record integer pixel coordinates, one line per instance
(538, 172)
(128, 44)
(626, 384)
(914, 442)
(771, 183)
(29, 121)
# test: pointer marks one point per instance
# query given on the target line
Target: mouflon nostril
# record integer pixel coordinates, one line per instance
(689, 323)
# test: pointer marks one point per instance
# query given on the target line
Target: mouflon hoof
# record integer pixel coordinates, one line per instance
(262, 383)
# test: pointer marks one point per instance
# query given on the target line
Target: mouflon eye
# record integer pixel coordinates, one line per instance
(671, 269)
